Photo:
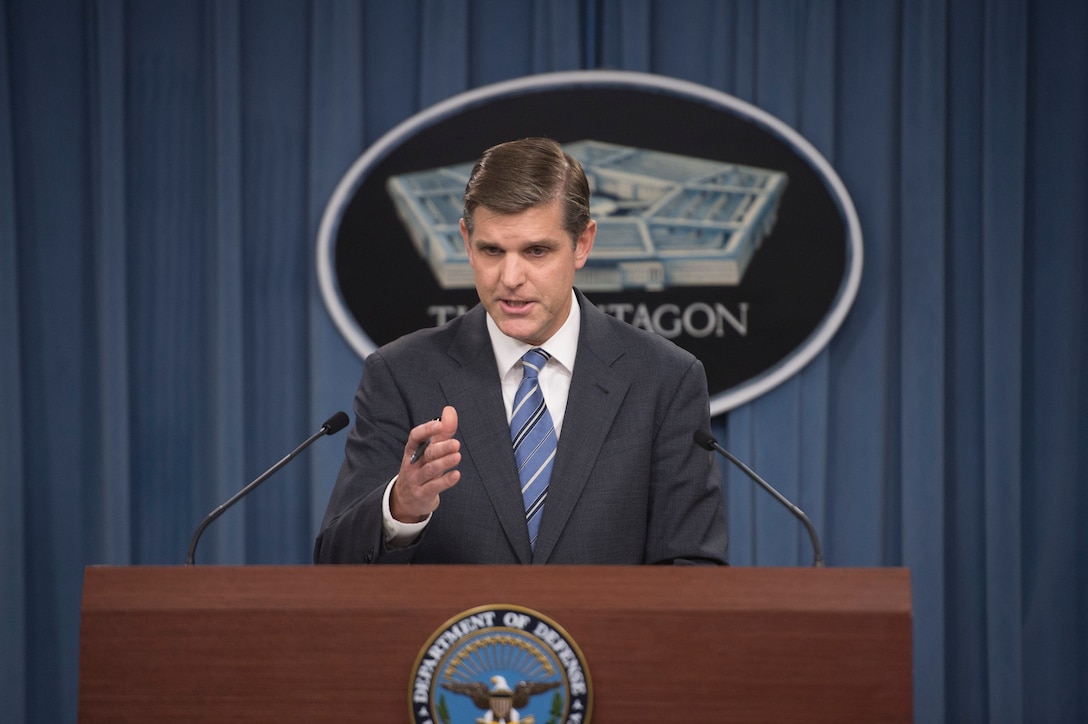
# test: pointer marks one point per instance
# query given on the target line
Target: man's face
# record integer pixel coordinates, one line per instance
(524, 267)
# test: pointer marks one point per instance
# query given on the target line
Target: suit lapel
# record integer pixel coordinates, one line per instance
(473, 389)
(596, 394)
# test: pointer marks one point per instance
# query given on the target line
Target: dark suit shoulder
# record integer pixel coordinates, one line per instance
(612, 337)
(466, 331)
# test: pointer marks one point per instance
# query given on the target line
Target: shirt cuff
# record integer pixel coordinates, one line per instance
(397, 534)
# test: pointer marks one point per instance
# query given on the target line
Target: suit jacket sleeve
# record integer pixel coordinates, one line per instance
(687, 508)
(352, 530)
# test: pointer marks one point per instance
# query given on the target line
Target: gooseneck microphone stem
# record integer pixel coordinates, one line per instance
(705, 440)
(333, 425)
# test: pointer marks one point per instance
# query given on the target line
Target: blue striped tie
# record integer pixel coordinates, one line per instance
(533, 436)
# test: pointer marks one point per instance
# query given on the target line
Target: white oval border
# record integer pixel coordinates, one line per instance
(720, 403)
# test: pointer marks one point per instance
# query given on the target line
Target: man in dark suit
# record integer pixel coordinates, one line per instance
(600, 467)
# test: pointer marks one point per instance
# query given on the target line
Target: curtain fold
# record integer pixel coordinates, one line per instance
(923, 339)
(341, 36)
(224, 268)
(107, 137)
(863, 425)
(14, 537)
(164, 168)
(1004, 140)
(1055, 565)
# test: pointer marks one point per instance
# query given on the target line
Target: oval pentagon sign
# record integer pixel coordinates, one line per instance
(719, 226)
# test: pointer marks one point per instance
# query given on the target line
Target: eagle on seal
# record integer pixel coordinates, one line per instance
(500, 702)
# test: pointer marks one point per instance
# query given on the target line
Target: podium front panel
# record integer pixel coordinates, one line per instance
(338, 643)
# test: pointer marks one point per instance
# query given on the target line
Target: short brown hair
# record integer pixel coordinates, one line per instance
(515, 176)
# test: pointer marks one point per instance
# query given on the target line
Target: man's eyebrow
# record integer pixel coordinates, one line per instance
(542, 241)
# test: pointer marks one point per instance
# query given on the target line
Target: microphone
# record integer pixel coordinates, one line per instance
(333, 425)
(705, 440)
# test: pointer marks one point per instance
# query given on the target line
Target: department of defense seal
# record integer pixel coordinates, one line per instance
(500, 664)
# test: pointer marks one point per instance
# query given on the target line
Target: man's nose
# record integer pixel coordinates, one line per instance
(512, 271)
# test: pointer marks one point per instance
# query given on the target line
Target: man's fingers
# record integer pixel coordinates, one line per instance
(421, 437)
(438, 485)
(436, 456)
(448, 422)
(414, 502)
(428, 467)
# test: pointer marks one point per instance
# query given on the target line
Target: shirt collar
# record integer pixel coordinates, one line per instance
(563, 345)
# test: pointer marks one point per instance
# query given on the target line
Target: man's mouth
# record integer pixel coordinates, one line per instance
(515, 304)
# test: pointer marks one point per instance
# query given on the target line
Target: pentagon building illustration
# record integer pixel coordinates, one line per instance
(663, 220)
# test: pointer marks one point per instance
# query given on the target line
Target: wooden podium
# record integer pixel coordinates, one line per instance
(338, 643)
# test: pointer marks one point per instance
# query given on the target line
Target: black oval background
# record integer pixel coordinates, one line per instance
(791, 283)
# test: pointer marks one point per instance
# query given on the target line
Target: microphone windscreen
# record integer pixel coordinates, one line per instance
(336, 423)
(704, 439)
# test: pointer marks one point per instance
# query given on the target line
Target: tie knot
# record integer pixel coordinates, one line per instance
(533, 361)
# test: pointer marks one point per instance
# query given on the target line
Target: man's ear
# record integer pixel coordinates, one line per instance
(464, 237)
(584, 244)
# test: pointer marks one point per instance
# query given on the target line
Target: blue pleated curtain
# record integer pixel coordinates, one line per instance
(164, 166)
